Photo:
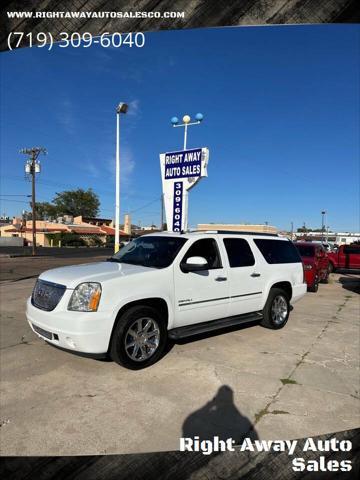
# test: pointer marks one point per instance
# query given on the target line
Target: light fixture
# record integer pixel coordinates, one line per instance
(122, 108)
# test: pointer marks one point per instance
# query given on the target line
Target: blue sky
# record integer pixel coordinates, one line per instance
(281, 108)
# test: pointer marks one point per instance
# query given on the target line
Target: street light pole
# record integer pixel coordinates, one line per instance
(117, 185)
(323, 213)
(121, 108)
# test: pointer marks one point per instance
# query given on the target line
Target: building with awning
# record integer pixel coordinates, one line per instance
(48, 233)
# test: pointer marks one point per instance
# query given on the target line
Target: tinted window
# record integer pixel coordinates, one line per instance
(206, 248)
(352, 249)
(305, 250)
(151, 251)
(239, 252)
(278, 251)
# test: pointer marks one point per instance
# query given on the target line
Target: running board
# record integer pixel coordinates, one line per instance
(198, 328)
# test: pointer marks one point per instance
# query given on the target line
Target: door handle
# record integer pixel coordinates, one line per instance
(255, 274)
(221, 279)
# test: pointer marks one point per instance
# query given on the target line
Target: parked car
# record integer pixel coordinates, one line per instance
(346, 256)
(166, 286)
(316, 264)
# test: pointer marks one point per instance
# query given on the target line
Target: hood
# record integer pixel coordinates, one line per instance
(72, 275)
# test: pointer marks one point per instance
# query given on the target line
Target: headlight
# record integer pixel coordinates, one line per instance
(85, 297)
(308, 267)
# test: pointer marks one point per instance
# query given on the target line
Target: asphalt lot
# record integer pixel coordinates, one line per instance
(20, 268)
(302, 380)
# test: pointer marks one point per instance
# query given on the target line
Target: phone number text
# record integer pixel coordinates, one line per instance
(75, 40)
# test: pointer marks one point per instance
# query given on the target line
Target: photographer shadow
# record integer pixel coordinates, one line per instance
(219, 418)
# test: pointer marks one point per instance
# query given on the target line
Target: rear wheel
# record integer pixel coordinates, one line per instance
(139, 338)
(277, 309)
(314, 287)
(326, 278)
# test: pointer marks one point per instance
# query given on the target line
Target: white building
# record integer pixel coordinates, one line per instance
(338, 238)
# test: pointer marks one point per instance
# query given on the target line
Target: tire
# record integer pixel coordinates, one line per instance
(331, 268)
(326, 279)
(269, 317)
(314, 287)
(127, 346)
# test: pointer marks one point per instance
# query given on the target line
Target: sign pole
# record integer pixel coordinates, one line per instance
(185, 135)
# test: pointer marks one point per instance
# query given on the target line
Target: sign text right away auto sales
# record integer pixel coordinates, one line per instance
(299, 464)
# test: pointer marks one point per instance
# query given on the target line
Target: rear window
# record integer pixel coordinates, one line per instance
(278, 251)
(352, 249)
(305, 250)
(239, 252)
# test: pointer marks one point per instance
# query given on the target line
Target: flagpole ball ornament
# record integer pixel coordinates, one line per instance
(186, 119)
(174, 120)
(199, 117)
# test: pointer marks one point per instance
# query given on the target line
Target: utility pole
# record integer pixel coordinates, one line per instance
(292, 231)
(32, 167)
(162, 212)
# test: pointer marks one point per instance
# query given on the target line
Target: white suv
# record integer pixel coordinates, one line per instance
(166, 286)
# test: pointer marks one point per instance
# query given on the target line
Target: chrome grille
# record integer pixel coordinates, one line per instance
(46, 295)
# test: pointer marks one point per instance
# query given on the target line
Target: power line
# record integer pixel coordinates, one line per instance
(51, 183)
(15, 201)
(144, 206)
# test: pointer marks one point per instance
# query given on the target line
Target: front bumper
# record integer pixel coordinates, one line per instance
(85, 332)
(310, 277)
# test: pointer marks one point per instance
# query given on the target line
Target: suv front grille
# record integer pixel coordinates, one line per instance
(46, 295)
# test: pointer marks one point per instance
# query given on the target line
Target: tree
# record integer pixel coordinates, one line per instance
(77, 202)
(45, 210)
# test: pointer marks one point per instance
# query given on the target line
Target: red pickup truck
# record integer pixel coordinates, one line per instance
(315, 262)
(347, 256)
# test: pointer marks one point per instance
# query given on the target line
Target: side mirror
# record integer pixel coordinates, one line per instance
(194, 264)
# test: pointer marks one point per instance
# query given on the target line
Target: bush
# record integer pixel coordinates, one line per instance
(66, 239)
(94, 242)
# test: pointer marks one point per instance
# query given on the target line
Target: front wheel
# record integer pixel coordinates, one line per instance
(277, 309)
(139, 338)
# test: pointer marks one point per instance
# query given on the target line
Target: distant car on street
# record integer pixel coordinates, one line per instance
(346, 256)
(316, 263)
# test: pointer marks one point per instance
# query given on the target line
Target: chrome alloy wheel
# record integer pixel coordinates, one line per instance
(279, 310)
(142, 339)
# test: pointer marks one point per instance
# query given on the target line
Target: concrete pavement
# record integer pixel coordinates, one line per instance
(299, 381)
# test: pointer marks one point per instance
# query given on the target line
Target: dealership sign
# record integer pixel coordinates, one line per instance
(180, 171)
(184, 164)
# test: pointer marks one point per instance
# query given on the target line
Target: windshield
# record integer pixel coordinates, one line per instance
(150, 251)
(305, 250)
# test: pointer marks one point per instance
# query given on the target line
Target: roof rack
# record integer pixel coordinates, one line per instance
(232, 232)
